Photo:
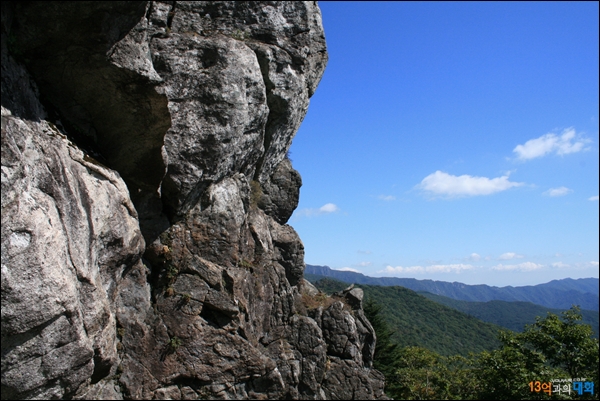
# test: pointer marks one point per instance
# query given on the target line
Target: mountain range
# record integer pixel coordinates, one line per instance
(557, 294)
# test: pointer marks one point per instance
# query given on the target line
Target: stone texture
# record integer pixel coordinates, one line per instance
(145, 250)
(69, 232)
(280, 194)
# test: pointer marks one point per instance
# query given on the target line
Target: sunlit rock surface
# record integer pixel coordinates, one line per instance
(145, 195)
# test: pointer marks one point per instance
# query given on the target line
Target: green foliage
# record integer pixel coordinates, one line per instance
(420, 375)
(172, 272)
(565, 343)
(238, 35)
(505, 373)
(552, 348)
(386, 351)
(174, 343)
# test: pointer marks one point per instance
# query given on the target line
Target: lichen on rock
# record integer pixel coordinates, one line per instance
(145, 196)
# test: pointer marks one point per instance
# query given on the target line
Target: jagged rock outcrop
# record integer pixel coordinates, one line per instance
(145, 195)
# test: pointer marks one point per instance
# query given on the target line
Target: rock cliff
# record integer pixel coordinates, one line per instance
(145, 195)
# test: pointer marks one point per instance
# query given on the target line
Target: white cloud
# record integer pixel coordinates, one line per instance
(440, 183)
(560, 265)
(347, 269)
(560, 191)
(525, 266)
(457, 268)
(510, 255)
(364, 264)
(328, 208)
(475, 257)
(325, 209)
(364, 252)
(593, 198)
(551, 143)
(386, 198)
(576, 266)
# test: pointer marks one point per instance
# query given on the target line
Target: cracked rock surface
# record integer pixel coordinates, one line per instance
(145, 196)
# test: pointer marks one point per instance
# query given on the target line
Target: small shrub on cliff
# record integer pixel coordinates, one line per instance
(255, 193)
(165, 238)
(175, 343)
(315, 301)
(186, 298)
(172, 272)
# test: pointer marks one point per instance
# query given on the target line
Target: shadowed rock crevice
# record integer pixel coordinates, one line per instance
(93, 69)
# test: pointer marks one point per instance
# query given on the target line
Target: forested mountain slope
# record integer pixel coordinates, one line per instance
(511, 315)
(418, 321)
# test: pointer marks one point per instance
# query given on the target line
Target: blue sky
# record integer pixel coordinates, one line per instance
(454, 142)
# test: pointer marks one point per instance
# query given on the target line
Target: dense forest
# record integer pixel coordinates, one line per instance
(555, 357)
(511, 315)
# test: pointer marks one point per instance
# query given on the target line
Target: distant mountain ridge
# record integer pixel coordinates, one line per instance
(558, 294)
(513, 315)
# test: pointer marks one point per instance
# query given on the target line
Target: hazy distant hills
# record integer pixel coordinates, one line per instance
(511, 315)
(557, 294)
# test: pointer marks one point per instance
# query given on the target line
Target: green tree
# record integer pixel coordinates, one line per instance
(504, 373)
(551, 348)
(417, 376)
(566, 343)
(386, 351)
(386, 355)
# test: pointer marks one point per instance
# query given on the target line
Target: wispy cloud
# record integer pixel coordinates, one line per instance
(444, 184)
(347, 269)
(325, 209)
(560, 265)
(386, 198)
(365, 264)
(593, 198)
(560, 191)
(475, 257)
(510, 256)
(456, 268)
(367, 252)
(525, 267)
(576, 266)
(565, 143)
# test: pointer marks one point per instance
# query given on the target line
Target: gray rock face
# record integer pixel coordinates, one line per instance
(144, 247)
(69, 233)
